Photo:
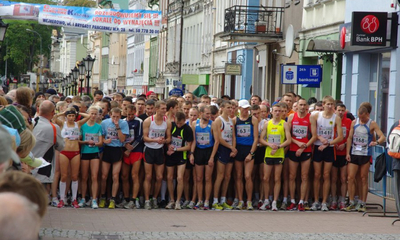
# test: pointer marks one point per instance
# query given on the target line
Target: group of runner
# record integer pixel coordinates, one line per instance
(213, 153)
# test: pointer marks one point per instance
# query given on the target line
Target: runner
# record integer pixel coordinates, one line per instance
(177, 157)
(303, 131)
(246, 145)
(133, 154)
(115, 131)
(91, 140)
(340, 164)
(156, 133)
(327, 122)
(358, 153)
(277, 135)
(223, 127)
(203, 153)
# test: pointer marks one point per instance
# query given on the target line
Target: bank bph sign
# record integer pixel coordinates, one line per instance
(369, 29)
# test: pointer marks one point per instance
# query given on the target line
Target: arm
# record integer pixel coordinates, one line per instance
(377, 130)
(86, 117)
(193, 145)
(168, 133)
(288, 137)
(215, 148)
(349, 141)
(146, 128)
(121, 135)
(339, 138)
(255, 140)
(218, 134)
(263, 135)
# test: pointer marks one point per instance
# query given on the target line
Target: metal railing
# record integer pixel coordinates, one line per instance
(254, 20)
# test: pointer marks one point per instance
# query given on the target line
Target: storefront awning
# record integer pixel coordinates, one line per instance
(199, 91)
(323, 45)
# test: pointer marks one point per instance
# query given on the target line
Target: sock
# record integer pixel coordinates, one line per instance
(223, 199)
(266, 201)
(285, 200)
(63, 186)
(236, 200)
(341, 199)
(293, 201)
(334, 199)
(103, 196)
(112, 198)
(74, 188)
(54, 199)
(351, 202)
(301, 202)
(257, 196)
(215, 201)
(270, 198)
(163, 189)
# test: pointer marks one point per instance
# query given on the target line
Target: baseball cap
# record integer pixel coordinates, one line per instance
(51, 91)
(244, 103)
(149, 93)
(31, 161)
(6, 150)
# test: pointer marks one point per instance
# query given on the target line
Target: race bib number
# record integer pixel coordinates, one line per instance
(274, 138)
(227, 136)
(131, 136)
(92, 137)
(177, 142)
(325, 132)
(360, 141)
(156, 133)
(112, 133)
(300, 131)
(203, 138)
(243, 130)
(72, 133)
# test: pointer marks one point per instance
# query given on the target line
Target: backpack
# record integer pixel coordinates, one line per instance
(394, 142)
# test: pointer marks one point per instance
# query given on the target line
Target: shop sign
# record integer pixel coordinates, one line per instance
(301, 74)
(369, 29)
(233, 69)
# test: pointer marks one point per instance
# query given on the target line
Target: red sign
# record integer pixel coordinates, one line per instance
(343, 38)
(369, 24)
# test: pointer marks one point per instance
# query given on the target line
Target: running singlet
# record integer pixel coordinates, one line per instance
(110, 131)
(156, 131)
(204, 138)
(244, 132)
(346, 124)
(301, 130)
(179, 137)
(135, 137)
(227, 130)
(275, 134)
(90, 133)
(362, 137)
(72, 133)
(325, 128)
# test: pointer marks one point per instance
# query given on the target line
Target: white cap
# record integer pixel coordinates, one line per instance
(244, 103)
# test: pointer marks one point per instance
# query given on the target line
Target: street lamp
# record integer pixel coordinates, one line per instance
(3, 29)
(89, 61)
(41, 56)
(68, 85)
(63, 85)
(81, 70)
(75, 75)
(71, 79)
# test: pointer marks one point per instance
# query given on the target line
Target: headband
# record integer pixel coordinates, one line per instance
(70, 112)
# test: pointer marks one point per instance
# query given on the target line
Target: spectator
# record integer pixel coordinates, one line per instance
(7, 152)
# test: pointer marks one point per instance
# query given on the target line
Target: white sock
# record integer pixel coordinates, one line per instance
(293, 201)
(285, 200)
(236, 200)
(301, 202)
(215, 201)
(163, 189)
(223, 199)
(74, 188)
(266, 201)
(63, 186)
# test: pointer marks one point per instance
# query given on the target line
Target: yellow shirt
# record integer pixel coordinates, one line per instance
(275, 134)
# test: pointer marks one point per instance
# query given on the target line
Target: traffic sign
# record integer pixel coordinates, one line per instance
(301, 74)
(176, 91)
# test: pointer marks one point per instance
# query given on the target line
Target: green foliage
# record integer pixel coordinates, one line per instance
(80, 3)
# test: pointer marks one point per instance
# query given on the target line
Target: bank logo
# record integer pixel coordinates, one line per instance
(369, 24)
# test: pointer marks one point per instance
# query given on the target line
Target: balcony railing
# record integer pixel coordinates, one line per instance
(254, 20)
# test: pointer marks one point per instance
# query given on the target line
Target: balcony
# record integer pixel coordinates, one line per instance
(253, 24)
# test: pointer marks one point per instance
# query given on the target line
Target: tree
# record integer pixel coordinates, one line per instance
(80, 3)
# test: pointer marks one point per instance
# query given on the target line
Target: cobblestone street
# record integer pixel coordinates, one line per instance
(189, 224)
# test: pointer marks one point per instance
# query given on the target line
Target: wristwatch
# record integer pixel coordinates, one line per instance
(252, 153)
(174, 149)
(117, 128)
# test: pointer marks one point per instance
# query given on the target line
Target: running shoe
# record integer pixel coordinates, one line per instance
(185, 204)
(283, 206)
(217, 207)
(342, 206)
(333, 206)
(314, 206)
(89, 203)
(351, 207)
(307, 206)
(190, 205)
(129, 205)
(198, 206)
(362, 208)
(234, 204)
(163, 204)
(249, 205)
(274, 208)
(226, 206)
(292, 207)
(82, 203)
(112, 204)
(147, 205)
(121, 204)
(265, 206)
(358, 206)
(155, 204)
(137, 203)
(300, 207)
(94, 204)
(75, 204)
(55, 202)
(102, 203)
(178, 206)
(206, 206)
(170, 205)
(324, 207)
(239, 206)
(260, 203)
(61, 204)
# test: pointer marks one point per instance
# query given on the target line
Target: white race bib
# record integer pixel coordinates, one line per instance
(243, 130)
(300, 131)
(112, 133)
(203, 138)
(176, 142)
(274, 138)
